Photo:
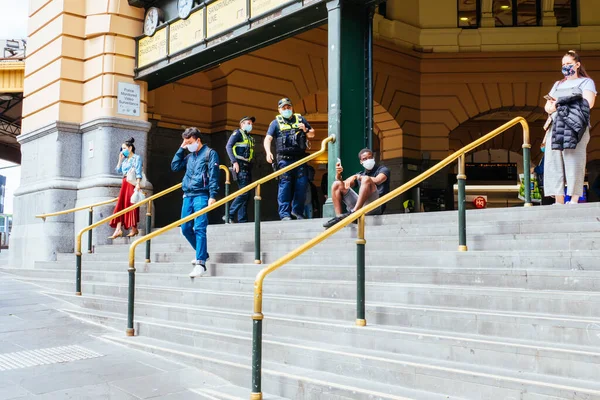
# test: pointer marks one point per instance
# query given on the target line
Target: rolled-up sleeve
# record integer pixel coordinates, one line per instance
(138, 167)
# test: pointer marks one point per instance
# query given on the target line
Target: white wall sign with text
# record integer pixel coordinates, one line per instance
(128, 99)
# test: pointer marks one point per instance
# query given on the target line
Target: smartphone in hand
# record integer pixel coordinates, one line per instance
(549, 98)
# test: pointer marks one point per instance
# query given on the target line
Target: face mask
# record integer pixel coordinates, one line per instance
(543, 149)
(369, 164)
(287, 113)
(193, 147)
(247, 128)
(126, 153)
(569, 70)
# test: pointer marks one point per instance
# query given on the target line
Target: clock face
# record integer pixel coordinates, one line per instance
(184, 7)
(151, 22)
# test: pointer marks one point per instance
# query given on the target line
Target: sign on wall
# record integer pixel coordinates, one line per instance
(152, 48)
(258, 7)
(225, 14)
(128, 99)
(186, 32)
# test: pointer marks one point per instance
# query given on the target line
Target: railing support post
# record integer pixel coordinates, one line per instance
(527, 173)
(462, 213)
(90, 222)
(227, 204)
(257, 319)
(130, 301)
(78, 273)
(148, 230)
(360, 273)
(257, 199)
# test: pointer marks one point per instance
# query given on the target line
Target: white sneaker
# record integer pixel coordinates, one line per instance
(198, 271)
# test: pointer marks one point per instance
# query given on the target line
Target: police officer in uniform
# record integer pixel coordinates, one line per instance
(291, 133)
(240, 149)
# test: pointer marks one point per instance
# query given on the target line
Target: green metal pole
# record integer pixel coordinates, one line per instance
(360, 273)
(148, 230)
(78, 274)
(130, 302)
(90, 221)
(226, 204)
(527, 173)
(462, 212)
(257, 199)
(256, 356)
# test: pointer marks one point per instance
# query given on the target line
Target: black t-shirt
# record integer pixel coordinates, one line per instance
(383, 188)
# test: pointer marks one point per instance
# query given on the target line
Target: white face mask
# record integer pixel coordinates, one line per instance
(369, 164)
(193, 147)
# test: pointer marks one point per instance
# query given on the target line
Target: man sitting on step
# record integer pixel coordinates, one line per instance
(373, 182)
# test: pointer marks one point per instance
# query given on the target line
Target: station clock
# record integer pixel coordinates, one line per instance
(154, 16)
(184, 7)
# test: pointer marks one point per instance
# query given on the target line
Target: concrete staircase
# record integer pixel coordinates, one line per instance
(516, 317)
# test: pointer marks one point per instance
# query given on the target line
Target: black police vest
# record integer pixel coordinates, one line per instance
(291, 140)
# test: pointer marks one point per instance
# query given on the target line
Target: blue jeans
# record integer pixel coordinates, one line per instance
(239, 206)
(195, 230)
(292, 190)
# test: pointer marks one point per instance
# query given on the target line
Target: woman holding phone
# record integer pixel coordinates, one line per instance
(127, 160)
(567, 166)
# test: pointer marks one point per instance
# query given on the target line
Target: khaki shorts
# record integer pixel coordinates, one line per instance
(351, 197)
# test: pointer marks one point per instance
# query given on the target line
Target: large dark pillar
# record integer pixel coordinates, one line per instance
(349, 85)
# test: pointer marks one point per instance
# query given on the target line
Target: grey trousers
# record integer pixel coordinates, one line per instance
(566, 167)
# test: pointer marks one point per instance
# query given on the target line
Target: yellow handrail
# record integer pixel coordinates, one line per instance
(118, 214)
(72, 210)
(260, 277)
(227, 199)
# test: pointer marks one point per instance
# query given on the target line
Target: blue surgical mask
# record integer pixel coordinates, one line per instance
(247, 128)
(287, 113)
(126, 153)
(543, 149)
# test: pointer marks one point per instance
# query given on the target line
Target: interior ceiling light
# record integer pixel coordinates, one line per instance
(505, 7)
(6, 97)
(464, 18)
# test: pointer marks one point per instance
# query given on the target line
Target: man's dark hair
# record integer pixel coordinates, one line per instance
(192, 133)
(363, 151)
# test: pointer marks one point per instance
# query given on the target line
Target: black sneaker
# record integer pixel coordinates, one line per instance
(297, 216)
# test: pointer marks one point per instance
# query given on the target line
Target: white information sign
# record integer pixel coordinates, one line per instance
(128, 99)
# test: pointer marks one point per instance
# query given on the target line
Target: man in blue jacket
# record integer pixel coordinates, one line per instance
(200, 188)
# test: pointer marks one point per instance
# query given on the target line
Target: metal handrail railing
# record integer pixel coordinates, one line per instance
(148, 200)
(257, 316)
(131, 296)
(73, 210)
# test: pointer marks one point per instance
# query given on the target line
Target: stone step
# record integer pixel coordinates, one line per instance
(577, 363)
(180, 305)
(394, 373)
(542, 241)
(585, 224)
(532, 259)
(562, 302)
(237, 293)
(230, 392)
(283, 380)
(378, 240)
(586, 212)
(176, 275)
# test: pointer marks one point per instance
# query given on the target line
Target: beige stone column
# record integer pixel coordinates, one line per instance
(78, 51)
(548, 17)
(487, 16)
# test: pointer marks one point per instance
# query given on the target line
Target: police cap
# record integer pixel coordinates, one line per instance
(283, 102)
(248, 119)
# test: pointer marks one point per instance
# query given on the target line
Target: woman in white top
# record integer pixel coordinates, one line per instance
(567, 167)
